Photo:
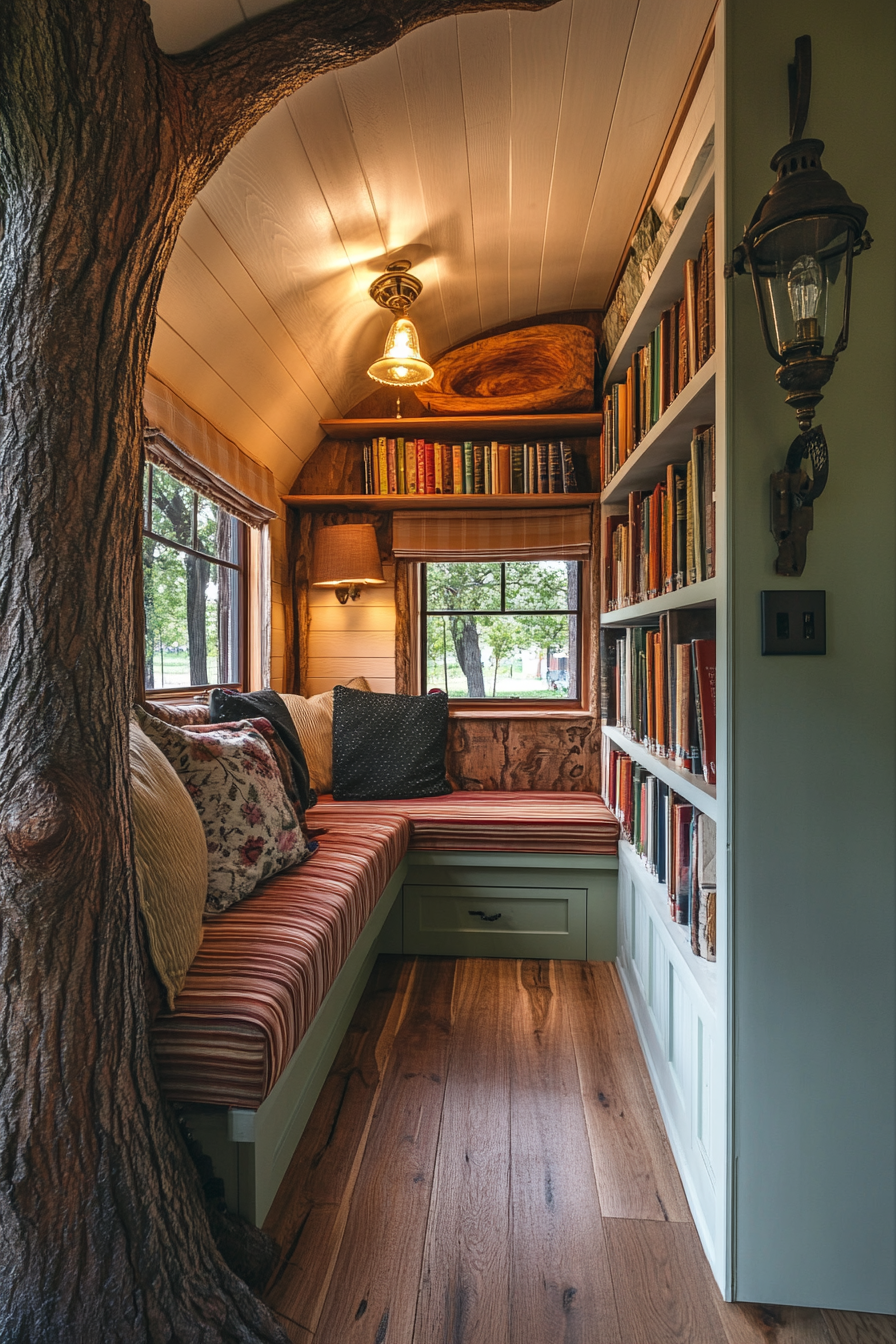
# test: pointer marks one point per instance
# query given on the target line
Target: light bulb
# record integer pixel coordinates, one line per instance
(805, 284)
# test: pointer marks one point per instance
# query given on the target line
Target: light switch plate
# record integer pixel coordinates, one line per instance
(793, 622)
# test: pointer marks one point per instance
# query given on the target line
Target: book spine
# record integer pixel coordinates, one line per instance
(365, 460)
(400, 467)
(544, 480)
(503, 468)
(570, 486)
(437, 477)
(705, 677)
(429, 467)
(420, 450)
(487, 468)
(410, 466)
(382, 460)
(447, 469)
(555, 469)
(516, 468)
(468, 467)
(478, 469)
(495, 468)
(457, 468)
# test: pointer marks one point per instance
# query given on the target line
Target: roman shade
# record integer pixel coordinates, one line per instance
(500, 534)
(187, 446)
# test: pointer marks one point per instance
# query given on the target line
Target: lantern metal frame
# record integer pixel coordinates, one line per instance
(803, 193)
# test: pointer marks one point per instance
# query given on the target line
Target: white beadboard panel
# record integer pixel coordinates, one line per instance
(352, 665)
(538, 44)
(317, 685)
(430, 71)
(484, 47)
(200, 233)
(361, 619)
(599, 37)
(375, 644)
(663, 48)
(194, 303)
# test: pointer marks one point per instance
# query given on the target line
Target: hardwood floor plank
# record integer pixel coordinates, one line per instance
(662, 1283)
(633, 1163)
(465, 1284)
(859, 1327)
(373, 1291)
(561, 1288)
(309, 1214)
(757, 1323)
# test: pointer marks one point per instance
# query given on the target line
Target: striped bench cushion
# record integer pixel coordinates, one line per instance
(265, 965)
(520, 822)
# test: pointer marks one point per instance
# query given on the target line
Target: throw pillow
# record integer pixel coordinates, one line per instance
(171, 862)
(226, 706)
(388, 746)
(313, 719)
(251, 827)
(182, 716)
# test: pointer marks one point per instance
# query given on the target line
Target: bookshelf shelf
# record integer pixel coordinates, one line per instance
(694, 789)
(392, 502)
(567, 425)
(694, 595)
(665, 284)
(701, 973)
(670, 438)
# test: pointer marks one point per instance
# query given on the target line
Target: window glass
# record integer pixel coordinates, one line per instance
(502, 630)
(191, 587)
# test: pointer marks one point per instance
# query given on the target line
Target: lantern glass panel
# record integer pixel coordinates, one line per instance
(802, 272)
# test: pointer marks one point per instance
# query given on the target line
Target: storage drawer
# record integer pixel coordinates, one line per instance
(482, 920)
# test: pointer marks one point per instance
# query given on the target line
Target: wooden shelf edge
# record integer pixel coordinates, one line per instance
(570, 424)
(694, 789)
(392, 502)
(702, 594)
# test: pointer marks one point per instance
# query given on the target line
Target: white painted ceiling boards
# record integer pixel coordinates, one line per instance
(504, 153)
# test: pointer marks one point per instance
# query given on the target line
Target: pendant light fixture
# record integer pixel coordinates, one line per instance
(402, 364)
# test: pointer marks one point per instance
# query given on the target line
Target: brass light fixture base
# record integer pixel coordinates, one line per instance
(396, 289)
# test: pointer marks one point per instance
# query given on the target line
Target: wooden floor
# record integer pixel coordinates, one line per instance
(486, 1165)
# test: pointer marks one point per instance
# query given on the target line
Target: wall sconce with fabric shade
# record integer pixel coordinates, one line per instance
(347, 559)
(402, 365)
(799, 249)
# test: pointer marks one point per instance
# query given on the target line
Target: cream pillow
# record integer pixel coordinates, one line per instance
(313, 718)
(171, 860)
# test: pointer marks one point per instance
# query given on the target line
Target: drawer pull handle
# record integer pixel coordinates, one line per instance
(490, 919)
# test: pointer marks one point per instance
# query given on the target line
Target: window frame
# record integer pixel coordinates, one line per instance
(240, 566)
(505, 706)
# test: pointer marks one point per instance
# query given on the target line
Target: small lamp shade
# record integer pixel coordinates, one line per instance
(347, 556)
(402, 364)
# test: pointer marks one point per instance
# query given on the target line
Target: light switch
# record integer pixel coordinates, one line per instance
(793, 622)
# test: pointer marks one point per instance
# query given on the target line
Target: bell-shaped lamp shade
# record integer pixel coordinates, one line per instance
(347, 557)
(401, 364)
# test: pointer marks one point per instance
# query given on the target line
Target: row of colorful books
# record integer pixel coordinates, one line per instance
(402, 466)
(681, 344)
(659, 687)
(667, 537)
(675, 841)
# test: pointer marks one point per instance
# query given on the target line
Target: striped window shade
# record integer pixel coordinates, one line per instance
(188, 447)
(506, 534)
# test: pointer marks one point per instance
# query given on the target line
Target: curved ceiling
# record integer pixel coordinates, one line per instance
(504, 153)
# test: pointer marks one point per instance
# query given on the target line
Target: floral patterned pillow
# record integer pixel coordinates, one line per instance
(251, 827)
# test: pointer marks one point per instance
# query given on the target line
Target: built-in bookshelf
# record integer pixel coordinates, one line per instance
(389, 503)
(677, 998)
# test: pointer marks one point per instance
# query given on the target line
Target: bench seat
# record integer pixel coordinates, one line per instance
(517, 822)
(266, 965)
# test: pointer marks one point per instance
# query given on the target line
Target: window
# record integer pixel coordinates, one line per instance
(193, 587)
(502, 630)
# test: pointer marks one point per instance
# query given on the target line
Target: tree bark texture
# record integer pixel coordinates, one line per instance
(103, 144)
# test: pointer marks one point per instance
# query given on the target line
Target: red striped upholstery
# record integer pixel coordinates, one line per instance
(266, 965)
(520, 822)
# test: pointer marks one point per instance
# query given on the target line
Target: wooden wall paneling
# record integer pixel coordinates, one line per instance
(662, 1283)
(465, 1281)
(309, 1214)
(599, 37)
(484, 47)
(378, 1268)
(190, 375)
(539, 44)
(664, 42)
(560, 1277)
(266, 202)
(383, 135)
(202, 235)
(194, 303)
(359, 638)
(430, 72)
(514, 753)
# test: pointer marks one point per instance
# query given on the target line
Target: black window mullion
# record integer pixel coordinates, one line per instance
(195, 537)
(503, 589)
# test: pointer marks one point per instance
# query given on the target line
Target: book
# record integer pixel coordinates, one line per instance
(392, 466)
(457, 468)
(400, 467)
(478, 469)
(531, 486)
(382, 465)
(504, 468)
(468, 467)
(555, 469)
(570, 486)
(420, 448)
(447, 469)
(704, 668)
(437, 478)
(410, 466)
(516, 468)
(486, 468)
(495, 470)
(683, 818)
(429, 467)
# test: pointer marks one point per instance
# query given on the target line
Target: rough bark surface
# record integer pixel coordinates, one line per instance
(103, 144)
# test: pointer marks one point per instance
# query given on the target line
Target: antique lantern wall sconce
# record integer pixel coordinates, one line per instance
(401, 364)
(799, 249)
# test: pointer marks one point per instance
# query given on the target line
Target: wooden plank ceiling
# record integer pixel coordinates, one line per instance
(504, 153)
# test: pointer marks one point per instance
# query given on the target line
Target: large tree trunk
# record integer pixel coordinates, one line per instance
(465, 638)
(103, 143)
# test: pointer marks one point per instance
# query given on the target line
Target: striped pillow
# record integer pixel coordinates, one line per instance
(171, 862)
(313, 718)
